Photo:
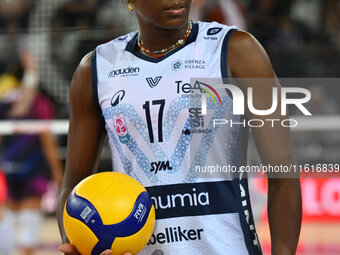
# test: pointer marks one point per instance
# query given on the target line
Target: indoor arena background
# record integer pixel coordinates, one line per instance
(302, 38)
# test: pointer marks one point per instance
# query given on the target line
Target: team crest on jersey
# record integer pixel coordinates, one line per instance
(121, 128)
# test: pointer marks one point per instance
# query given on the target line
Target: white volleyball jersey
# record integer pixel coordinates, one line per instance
(159, 134)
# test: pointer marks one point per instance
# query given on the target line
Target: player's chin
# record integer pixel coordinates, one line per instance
(175, 20)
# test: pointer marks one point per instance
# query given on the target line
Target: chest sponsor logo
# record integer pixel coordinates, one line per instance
(189, 64)
(177, 65)
(194, 64)
(117, 98)
(196, 123)
(121, 128)
(188, 199)
(197, 90)
(193, 199)
(196, 117)
(123, 72)
(153, 82)
(160, 166)
(175, 234)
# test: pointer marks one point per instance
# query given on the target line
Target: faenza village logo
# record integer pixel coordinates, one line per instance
(123, 72)
(188, 64)
(281, 97)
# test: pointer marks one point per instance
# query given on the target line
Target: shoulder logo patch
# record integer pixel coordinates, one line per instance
(214, 30)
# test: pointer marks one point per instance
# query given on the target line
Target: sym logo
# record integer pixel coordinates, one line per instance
(117, 98)
(153, 82)
(214, 30)
(160, 166)
(177, 65)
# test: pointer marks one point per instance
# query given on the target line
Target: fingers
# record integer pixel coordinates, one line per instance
(68, 249)
(109, 252)
(106, 252)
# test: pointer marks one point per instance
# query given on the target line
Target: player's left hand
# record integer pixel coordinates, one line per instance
(67, 248)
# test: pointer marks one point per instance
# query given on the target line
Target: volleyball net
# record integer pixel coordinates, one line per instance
(60, 127)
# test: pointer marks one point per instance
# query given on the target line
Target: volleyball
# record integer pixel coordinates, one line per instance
(109, 210)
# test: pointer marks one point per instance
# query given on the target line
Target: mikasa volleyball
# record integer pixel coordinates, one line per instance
(109, 210)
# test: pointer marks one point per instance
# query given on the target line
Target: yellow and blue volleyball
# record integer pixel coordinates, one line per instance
(109, 210)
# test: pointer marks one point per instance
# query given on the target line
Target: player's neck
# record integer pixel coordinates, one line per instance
(157, 39)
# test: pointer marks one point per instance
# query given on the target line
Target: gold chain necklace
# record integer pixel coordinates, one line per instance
(163, 52)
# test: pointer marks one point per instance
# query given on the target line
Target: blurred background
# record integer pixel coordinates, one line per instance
(42, 42)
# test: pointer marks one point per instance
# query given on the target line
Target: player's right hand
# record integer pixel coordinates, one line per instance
(69, 249)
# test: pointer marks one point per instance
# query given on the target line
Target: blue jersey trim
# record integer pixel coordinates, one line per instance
(131, 46)
(247, 233)
(95, 79)
(224, 54)
(222, 201)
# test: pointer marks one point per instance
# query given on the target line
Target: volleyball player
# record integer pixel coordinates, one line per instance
(28, 160)
(136, 90)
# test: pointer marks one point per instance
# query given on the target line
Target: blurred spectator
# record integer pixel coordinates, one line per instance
(331, 22)
(74, 34)
(6, 219)
(321, 103)
(17, 60)
(26, 159)
(308, 13)
(229, 12)
(196, 12)
(78, 13)
(261, 20)
(15, 13)
(233, 13)
(114, 16)
(29, 86)
(28, 75)
(287, 37)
